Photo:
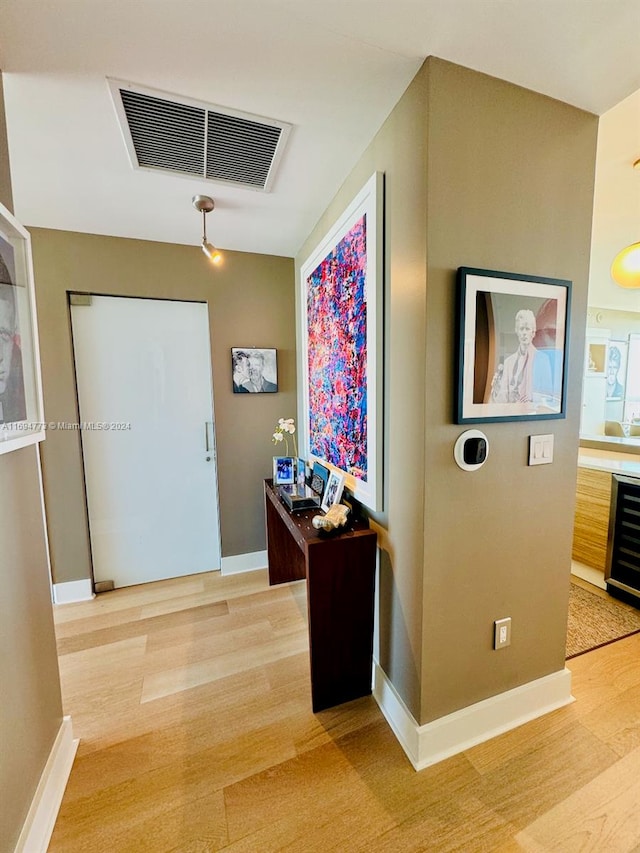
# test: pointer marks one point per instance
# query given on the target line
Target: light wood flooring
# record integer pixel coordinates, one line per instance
(191, 698)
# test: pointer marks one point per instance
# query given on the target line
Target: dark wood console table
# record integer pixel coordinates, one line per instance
(340, 574)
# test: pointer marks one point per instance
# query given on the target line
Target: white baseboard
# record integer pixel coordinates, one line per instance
(447, 736)
(243, 563)
(66, 593)
(586, 573)
(41, 818)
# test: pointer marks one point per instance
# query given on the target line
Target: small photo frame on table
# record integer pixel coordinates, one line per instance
(284, 470)
(301, 473)
(333, 492)
(254, 370)
(319, 478)
(513, 333)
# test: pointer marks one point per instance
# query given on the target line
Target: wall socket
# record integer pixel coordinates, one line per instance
(502, 633)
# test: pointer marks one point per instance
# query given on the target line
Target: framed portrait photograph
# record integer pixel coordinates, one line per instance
(333, 492)
(617, 352)
(254, 370)
(21, 412)
(512, 346)
(341, 370)
(284, 470)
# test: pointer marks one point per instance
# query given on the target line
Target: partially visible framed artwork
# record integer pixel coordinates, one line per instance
(21, 412)
(254, 370)
(284, 470)
(333, 492)
(341, 348)
(596, 355)
(513, 333)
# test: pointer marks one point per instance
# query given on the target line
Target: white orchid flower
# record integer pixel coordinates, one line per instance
(288, 426)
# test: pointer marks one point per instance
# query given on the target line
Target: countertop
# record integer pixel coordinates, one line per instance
(627, 464)
(629, 444)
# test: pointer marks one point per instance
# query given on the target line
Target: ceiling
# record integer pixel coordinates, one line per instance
(332, 69)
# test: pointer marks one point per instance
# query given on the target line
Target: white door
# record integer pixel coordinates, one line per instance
(143, 369)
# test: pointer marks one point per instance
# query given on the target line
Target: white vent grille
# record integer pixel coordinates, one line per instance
(190, 138)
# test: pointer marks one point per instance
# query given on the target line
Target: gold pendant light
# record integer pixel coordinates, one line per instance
(625, 269)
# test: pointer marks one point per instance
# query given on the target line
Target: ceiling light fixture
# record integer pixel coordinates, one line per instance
(625, 269)
(204, 204)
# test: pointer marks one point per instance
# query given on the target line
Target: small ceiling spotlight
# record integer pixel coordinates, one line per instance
(204, 204)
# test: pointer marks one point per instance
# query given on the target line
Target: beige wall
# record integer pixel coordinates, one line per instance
(399, 150)
(30, 703)
(511, 177)
(478, 173)
(250, 304)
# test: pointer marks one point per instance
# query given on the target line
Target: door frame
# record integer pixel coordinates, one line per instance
(216, 491)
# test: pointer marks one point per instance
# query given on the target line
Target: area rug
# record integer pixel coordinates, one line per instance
(596, 621)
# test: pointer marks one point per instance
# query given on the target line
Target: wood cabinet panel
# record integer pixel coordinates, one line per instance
(591, 525)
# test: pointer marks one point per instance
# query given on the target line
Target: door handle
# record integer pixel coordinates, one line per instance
(209, 440)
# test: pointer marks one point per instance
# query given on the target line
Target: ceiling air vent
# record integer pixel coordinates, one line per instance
(186, 137)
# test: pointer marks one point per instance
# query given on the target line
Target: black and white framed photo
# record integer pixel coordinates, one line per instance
(21, 413)
(284, 470)
(333, 492)
(513, 333)
(617, 352)
(254, 370)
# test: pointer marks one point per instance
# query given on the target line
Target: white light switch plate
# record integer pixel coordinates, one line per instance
(540, 449)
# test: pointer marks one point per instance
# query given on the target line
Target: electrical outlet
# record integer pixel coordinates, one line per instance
(502, 633)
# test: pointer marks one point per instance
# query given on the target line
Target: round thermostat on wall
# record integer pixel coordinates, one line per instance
(471, 450)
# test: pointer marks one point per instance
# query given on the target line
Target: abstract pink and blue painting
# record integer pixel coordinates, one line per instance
(337, 353)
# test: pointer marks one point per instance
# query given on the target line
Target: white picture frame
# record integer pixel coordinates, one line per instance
(333, 491)
(341, 304)
(21, 407)
(284, 470)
